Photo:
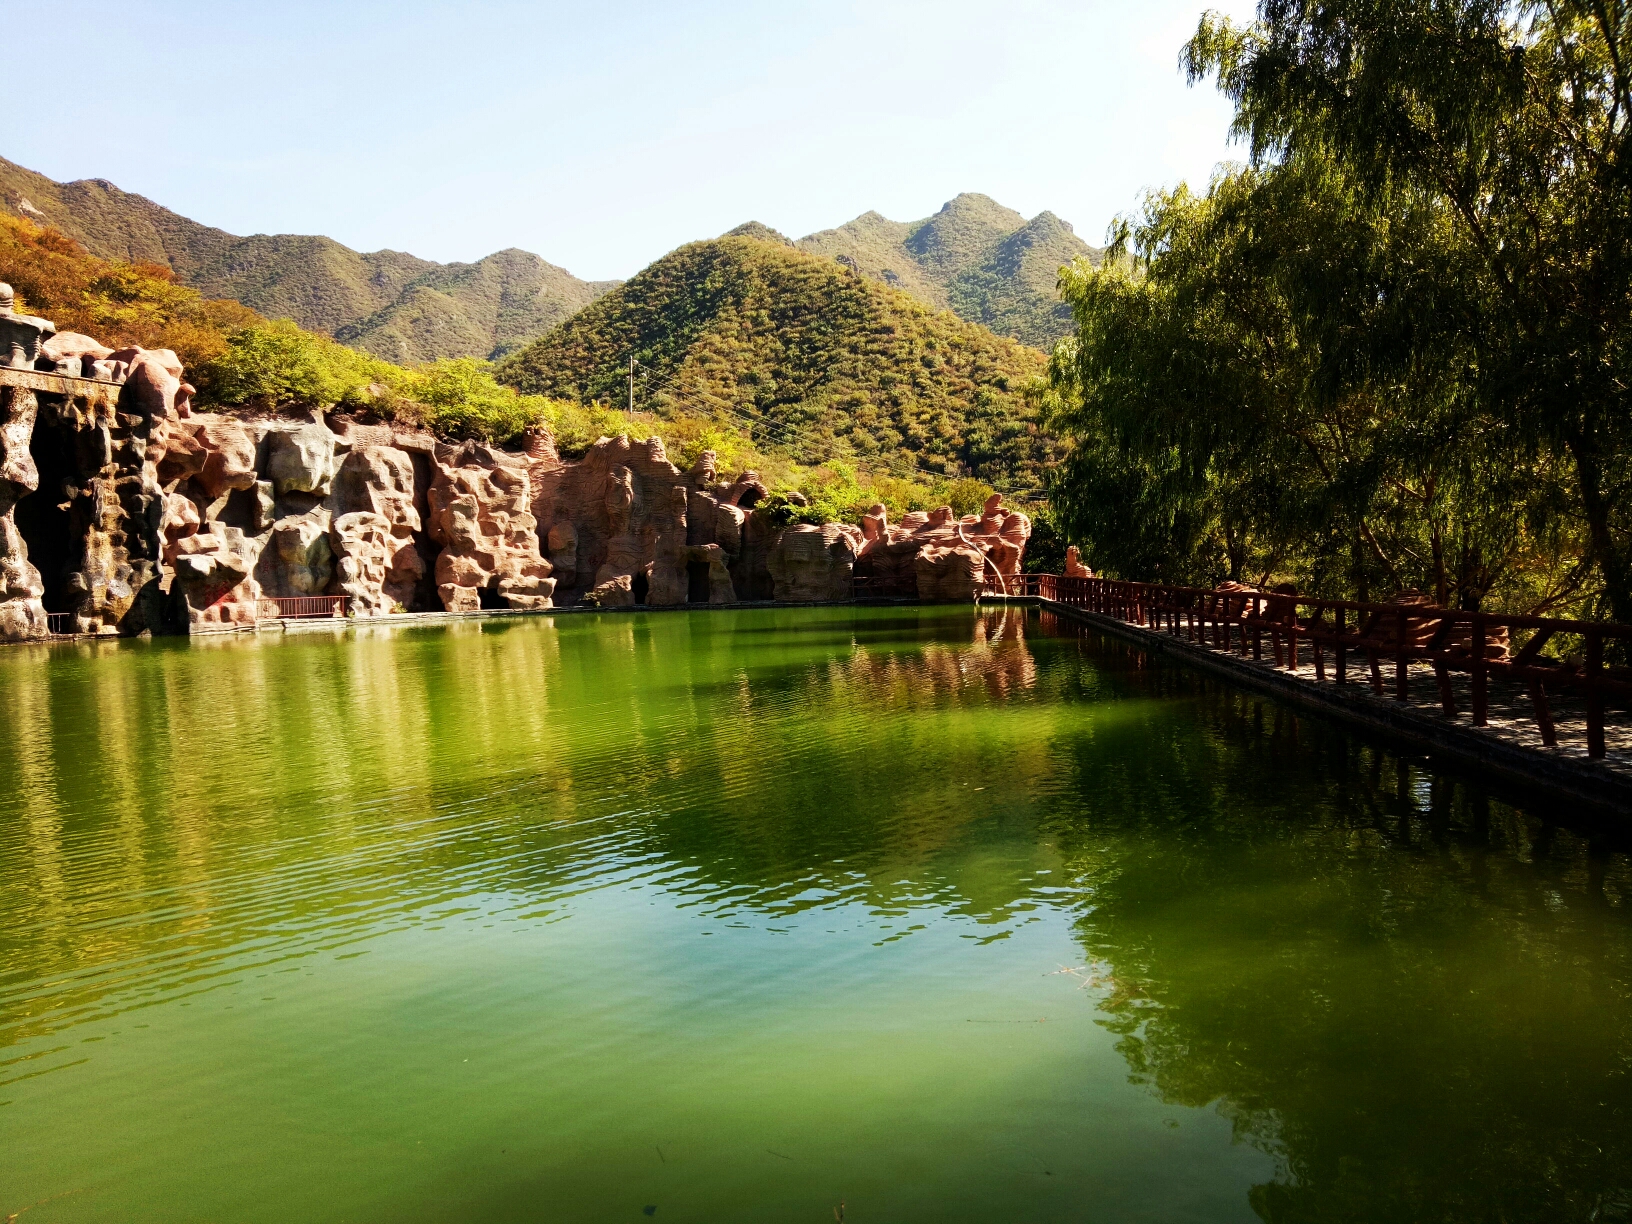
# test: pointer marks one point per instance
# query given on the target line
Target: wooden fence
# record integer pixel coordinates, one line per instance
(1285, 627)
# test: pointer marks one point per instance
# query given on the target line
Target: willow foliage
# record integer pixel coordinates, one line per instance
(1392, 351)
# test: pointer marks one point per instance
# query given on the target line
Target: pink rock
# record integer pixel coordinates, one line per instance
(949, 573)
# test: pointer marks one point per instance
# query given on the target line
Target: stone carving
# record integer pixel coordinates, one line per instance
(615, 579)
(890, 557)
(300, 556)
(153, 379)
(1074, 567)
(667, 577)
(594, 513)
(478, 513)
(374, 537)
(72, 354)
(20, 335)
(720, 588)
(22, 615)
(229, 457)
(302, 460)
(181, 519)
(810, 564)
(114, 504)
(620, 500)
(214, 584)
(563, 543)
(375, 565)
(949, 572)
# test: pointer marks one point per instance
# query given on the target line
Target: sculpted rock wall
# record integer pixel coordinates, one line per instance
(374, 538)
(127, 512)
(810, 563)
(940, 556)
(22, 615)
(109, 491)
(478, 514)
(624, 525)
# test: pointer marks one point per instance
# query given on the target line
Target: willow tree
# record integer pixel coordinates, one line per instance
(1392, 348)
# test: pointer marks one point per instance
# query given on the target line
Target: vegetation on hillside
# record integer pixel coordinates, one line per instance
(236, 358)
(389, 303)
(985, 263)
(1391, 352)
(814, 362)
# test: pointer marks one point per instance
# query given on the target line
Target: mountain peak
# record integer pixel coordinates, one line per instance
(975, 257)
(760, 232)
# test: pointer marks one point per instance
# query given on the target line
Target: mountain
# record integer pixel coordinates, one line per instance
(389, 303)
(808, 355)
(984, 262)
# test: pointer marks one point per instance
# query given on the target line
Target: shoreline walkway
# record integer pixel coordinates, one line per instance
(1508, 742)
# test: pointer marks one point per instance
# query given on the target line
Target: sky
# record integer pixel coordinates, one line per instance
(603, 134)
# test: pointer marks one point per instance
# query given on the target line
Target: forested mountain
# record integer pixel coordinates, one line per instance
(982, 261)
(808, 355)
(389, 303)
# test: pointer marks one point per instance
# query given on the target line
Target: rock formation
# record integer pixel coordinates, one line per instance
(22, 615)
(937, 555)
(810, 563)
(374, 536)
(478, 514)
(125, 512)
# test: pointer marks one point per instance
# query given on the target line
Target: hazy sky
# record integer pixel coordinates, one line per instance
(604, 133)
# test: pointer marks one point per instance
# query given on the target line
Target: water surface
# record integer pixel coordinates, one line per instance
(738, 916)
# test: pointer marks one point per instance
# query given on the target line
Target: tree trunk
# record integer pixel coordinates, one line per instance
(1612, 560)
(1442, 585)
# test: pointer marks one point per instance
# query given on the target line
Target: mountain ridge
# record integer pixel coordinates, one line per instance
(390, 303)
(983, 261)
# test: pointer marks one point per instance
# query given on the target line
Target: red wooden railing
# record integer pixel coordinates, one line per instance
(1479, 644)
(300, 607)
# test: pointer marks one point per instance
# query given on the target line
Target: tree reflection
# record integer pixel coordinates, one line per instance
(1415, 995)
(1418, 998)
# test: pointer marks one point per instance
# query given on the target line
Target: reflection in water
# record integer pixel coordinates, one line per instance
(1418, 998)
(1408, 998)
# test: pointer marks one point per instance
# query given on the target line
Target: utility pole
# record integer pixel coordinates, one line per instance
(631, 384)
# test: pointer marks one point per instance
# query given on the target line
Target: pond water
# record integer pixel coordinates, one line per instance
(887, 914)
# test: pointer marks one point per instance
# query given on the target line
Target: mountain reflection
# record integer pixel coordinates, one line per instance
(1413, 995)
(175, 812)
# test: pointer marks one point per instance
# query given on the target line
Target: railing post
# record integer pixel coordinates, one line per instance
(1402, 665)
(1544, 717)
(1479, 673)
(1594, 677)
(1340, 650)
(1258, 628)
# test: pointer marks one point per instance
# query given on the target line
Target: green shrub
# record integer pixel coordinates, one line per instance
(276, 363)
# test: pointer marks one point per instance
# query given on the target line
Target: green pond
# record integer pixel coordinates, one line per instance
(881, 914)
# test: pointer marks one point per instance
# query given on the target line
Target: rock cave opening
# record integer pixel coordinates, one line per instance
(641, 585)
(697, 582)
(489, 597)
(42, 520)
(749, 498)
